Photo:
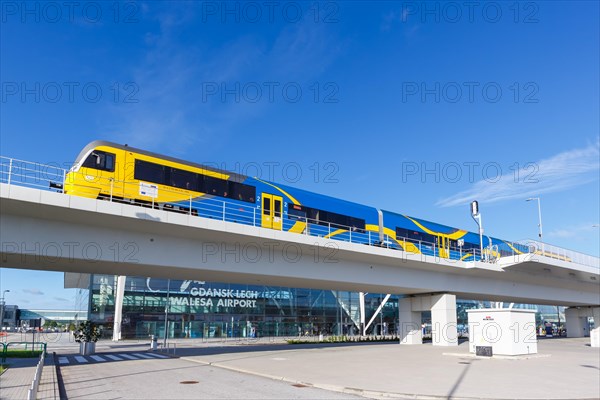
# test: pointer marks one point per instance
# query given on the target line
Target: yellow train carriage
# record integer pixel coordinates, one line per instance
(108, 170)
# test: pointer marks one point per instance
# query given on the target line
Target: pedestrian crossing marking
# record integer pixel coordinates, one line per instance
(110, 357)
(157, 355)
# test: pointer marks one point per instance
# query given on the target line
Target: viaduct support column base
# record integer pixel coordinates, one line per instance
(443, 320)
(409, 321)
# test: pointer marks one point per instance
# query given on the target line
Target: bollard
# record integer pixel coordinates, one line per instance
(153, 343)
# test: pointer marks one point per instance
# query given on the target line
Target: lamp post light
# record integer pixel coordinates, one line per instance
(477, 217)
(540, 219)
(2, 302)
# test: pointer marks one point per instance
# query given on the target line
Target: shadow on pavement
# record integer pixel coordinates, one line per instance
(228, 349)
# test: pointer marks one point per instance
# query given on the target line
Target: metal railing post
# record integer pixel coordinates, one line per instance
(112, 186)
(10, 162)
(190, 205)
(224, 210)
(254, 217)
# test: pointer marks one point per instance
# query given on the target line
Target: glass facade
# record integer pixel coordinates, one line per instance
(196, 309)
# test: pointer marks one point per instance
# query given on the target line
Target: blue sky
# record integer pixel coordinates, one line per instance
(407, 106)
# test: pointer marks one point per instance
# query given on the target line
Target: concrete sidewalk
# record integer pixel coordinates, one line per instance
(16, 380)
(563, 369)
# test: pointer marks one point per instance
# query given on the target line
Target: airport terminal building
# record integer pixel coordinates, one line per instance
(198, 309)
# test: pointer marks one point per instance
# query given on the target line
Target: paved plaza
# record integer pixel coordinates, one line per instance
(270, 369)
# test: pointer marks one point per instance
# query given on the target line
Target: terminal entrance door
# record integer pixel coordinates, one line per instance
(272, 206)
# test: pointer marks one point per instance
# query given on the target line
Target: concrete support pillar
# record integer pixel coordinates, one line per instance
(443, 320)
(361, 303)
(409, 322)
(119, 294)
(576, 323)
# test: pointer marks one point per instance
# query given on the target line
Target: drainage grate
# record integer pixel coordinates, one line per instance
(189, 382)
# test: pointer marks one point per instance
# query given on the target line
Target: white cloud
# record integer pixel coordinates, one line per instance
(570, 232)
(562, 171)
(34, 291)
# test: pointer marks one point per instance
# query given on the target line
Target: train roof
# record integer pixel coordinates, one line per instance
(96, 143)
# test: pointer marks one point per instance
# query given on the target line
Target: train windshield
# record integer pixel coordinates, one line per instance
(100, 160)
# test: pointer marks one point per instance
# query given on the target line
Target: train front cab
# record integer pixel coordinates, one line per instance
(94, 171)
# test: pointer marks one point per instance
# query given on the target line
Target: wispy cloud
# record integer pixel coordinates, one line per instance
(60, 299)
(34, 291)
(573, 231)
(173, 73)
(562, 171)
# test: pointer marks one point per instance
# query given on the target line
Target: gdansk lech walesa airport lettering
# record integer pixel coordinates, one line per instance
(223, 297)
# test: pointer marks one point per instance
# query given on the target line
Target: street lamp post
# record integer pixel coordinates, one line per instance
(540, 219)
(2, 302)
(477, 217)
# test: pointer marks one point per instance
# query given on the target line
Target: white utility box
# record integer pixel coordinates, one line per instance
(595, 337)
(502, 331)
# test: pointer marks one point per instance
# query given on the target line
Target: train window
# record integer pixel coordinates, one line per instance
(183, 179)
(215, 186)
(415, 235)
(101, 160)
(296, 212)
(242, 192)
(328, 218)
(266, 206)
(150, 172)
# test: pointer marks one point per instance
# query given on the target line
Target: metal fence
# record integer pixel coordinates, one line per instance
(49, 177)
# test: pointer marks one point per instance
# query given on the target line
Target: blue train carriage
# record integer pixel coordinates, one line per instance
(303, 212)
(418, 236)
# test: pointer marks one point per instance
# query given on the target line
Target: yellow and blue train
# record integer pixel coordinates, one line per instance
(105, 170)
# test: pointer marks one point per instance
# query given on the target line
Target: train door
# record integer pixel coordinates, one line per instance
(272, 208)
(443, 244)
